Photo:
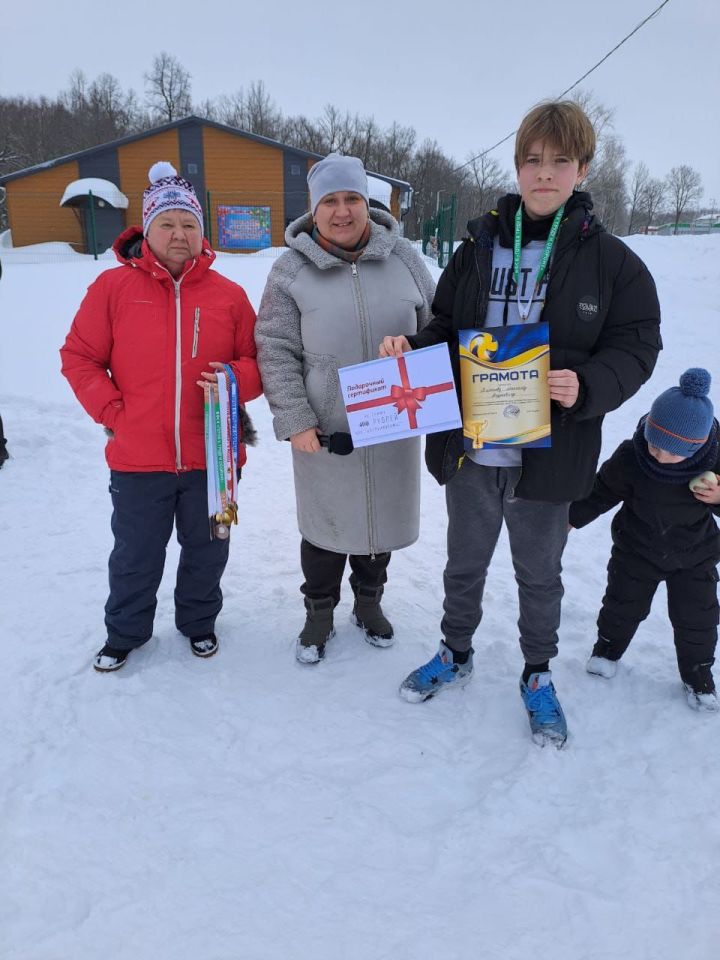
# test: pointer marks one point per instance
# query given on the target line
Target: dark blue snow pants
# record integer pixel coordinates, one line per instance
(145, 505)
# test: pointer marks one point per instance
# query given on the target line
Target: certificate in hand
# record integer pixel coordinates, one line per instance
(399, 397)
(505, 392)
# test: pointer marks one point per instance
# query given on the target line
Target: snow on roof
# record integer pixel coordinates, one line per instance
(103, 189)
(379, 189)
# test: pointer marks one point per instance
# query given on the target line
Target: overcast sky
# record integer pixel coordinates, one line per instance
(462, 73)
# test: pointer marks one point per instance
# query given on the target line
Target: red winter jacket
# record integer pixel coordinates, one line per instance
(138, 345)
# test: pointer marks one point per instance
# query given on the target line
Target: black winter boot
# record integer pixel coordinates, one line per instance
(317, 631)
(604, 657)
(109, 659)
(205, 645)
(700, 687)
(4, 455)
(369, 616)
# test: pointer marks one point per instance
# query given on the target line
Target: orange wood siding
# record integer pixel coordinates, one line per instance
(395, 203)
(135, 160)
(34, 210)
(244, 173)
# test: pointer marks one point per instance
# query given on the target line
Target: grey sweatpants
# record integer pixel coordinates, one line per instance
(478, 499)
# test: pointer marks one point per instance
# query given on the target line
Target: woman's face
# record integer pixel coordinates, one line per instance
(342, 217)
(547, 179)
(175, 237)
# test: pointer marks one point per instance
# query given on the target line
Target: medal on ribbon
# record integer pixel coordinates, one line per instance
(221, 453)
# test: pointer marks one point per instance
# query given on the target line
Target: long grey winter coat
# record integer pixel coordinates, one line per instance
(319, 313)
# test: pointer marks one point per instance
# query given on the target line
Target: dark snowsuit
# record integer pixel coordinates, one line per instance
(661, 532)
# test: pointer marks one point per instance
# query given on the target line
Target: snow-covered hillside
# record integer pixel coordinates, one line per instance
(248, 808)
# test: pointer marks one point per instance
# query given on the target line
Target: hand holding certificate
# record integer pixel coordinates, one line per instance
(399, 397)
(505, 393)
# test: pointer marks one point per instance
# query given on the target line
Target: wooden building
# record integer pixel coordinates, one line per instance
(250, 187)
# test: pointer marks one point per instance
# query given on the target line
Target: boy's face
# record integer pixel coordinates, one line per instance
(547, 178)
(663, 456)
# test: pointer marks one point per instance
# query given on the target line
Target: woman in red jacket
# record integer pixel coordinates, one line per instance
(144, 335)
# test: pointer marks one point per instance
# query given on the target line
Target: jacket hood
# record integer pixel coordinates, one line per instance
(501, 221)
(132, 250)
(384, 235)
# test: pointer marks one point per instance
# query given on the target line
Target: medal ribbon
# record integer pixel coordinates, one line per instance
(221, 450)
(219, 453)
(234, 425)
(544, 259)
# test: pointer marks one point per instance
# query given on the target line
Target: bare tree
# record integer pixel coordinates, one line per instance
(393, 150)
(684, 187)
(261, 115)
(606, 182)
(653, 197)
(167, 87)
(600, 116)
(635, 195)
(208, 109)
(230, 109)
(488, 181)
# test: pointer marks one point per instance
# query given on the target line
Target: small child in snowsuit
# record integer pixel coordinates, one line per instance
(665, 530)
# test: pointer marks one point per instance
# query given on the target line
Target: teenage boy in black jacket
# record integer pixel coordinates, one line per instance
(664, 530)
(602, 308)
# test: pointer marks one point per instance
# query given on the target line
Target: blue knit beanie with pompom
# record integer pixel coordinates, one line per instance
(681, 418)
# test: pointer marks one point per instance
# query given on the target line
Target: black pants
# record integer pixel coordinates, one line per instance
(145, 505)
(323, 571)
(692, 607)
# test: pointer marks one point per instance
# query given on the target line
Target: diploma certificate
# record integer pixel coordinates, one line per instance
(505, 392)
(399, 397)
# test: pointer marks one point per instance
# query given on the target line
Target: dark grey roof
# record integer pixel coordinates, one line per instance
(186, 121)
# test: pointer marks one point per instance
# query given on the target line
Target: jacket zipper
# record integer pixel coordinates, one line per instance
(365, 454)
(178, 373)
(196, 332)
(178, 358)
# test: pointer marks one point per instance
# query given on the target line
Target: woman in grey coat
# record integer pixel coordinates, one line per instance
(347, 281)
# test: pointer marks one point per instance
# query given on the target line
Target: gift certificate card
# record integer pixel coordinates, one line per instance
(399, 397)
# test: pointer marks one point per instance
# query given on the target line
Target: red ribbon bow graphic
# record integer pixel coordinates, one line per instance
(403, 397)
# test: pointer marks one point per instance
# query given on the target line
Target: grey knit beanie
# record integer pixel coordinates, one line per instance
(681, 418)
(334, 173)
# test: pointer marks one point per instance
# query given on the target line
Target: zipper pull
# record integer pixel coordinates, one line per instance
(196, 332)
(353, 267)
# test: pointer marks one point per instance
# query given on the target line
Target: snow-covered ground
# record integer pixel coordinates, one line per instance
(248, 808)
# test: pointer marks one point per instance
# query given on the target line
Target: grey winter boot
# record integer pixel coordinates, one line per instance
(317, 631)
(368, 615)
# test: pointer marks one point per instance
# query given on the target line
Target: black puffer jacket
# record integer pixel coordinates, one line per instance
(662, 522)
(604, 318)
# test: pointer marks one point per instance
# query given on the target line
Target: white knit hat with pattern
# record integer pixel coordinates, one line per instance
(168, 191)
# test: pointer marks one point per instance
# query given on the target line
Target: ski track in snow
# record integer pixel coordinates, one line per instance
(248, 808)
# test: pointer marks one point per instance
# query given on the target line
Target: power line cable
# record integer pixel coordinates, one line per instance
(617, 46)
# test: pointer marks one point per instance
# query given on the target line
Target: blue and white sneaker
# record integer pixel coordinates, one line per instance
(547, 720)
(436, 675)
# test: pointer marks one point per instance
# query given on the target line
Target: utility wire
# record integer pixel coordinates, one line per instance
(617, 46)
